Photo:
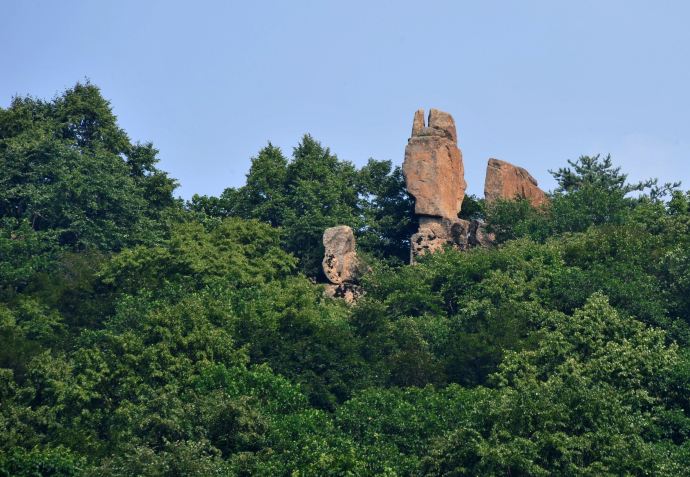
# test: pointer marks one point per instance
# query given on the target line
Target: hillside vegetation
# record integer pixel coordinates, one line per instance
(144, 335)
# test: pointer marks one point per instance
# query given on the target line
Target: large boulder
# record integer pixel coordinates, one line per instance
(433, 167)
(507, 181)
(340, 261)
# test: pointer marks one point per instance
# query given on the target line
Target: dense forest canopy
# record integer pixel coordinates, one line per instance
(144, 335)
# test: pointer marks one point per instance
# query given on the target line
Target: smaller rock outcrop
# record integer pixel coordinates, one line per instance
(435, 232)
(341, 265)
(507, 181)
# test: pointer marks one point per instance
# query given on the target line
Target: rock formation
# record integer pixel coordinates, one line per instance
(506, 181)
(435, 176)
(433, 167)
(349, 292)
(340, 259)
(436, 232)
(340, 263)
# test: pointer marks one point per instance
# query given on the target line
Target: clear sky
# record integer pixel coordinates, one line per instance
(210, 82)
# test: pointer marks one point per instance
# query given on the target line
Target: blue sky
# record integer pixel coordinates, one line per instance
(209, 83)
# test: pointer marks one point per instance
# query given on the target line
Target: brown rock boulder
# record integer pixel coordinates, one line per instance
(506, 181)
(433, 167)
(435, 233)
(340, 261)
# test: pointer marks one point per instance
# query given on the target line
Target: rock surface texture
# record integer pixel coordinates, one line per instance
(340, 263)
(506, 181)
(433, 168)
(435, 176)
(435, 232)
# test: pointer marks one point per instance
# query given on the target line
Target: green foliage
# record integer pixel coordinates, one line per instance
(387, 210)
(58, 462)
(288, 325)
(472, 208)
(595, 172)
(592, 193)
(137, 338)
(584, 402)
(24, 252)
(69, 177)
(238, 252)
(25, 330)
(314, 191)
(395, 427)
(512, 219)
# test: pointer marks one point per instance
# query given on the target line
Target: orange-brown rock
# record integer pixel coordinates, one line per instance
(443, 122)
(340, 261)
(506, 181)
(418, 122)
(433, 168)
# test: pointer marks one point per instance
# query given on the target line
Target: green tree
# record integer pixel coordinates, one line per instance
(315, 190)
(584, 402)
(387, 212)
(591, 192)
(72, 175)
(321, 194)
(237, 252)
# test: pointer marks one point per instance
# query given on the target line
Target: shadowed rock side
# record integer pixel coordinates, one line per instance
(479, 236)
(506, 181)
(433, 168)
(434, 233)
(349, 292)
(340, 263)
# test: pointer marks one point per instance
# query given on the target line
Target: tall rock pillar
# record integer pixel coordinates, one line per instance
(435, 176)
(433, 168)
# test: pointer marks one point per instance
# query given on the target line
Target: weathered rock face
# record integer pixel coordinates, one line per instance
(433, 168)
(435, 232)
(341, 265)
(340, 262)
(506, 181)
(349, 292)
(440, 121)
